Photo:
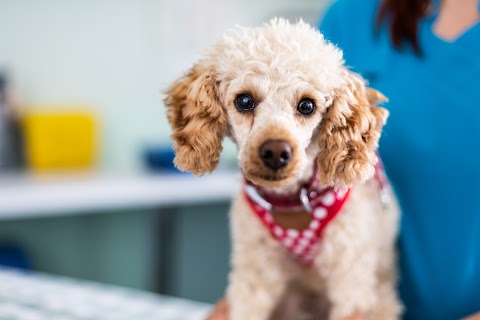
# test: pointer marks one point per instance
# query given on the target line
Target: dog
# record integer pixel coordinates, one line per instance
(315, 218)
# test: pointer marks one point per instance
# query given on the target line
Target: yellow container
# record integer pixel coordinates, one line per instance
(59, 139)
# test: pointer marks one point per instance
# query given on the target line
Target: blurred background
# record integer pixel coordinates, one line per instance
(87, 188)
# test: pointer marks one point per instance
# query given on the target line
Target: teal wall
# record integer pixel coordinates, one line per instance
(122, 248)
(202, 261)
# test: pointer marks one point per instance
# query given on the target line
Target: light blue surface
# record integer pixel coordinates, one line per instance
(431, 151)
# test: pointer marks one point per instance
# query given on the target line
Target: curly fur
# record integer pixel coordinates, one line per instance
(198, 120)
(279, 64)
(350, 133)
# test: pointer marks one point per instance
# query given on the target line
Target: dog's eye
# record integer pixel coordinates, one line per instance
(244, 102)
(306, 107)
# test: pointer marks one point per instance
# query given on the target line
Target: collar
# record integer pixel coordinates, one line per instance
(304, 198)
(323, 203)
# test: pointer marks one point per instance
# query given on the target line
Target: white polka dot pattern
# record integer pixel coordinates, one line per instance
(320, 212)
(315, 224)
(308, 234)
(288, 242)
(278, 231)
(328, 199)
(292, 233)
(341, 193)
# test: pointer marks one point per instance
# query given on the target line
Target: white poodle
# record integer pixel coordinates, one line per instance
(315, 220)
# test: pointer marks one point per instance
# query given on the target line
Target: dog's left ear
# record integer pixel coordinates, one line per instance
(198, 120)
(349, 134)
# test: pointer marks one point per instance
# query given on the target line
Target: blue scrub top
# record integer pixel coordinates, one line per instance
(431, 151)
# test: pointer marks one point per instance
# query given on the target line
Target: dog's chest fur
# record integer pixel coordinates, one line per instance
(361, 223)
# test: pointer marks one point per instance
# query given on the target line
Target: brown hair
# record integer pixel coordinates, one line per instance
(198, 120)
(350, 133)
(403, 18)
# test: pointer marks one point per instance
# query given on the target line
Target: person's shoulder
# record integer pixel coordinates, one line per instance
(353, 7)
(348, 15)
(350, 25)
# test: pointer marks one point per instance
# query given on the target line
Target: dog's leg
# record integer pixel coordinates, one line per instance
(348, 256)
(388, 306)
(352, 291)
(254, 293)
(261, 269)
(301, 302)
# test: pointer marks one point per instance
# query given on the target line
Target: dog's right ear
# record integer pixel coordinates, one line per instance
(198, 120)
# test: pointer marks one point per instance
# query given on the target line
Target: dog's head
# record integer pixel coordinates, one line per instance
(283, 95)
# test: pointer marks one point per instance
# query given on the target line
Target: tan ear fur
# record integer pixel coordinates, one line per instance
(198, 121)
(349, 134)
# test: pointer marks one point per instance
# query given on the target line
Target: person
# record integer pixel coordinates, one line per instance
(424, 55)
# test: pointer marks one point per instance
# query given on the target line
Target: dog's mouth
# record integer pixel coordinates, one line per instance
(269, 180)
(261, 174)
(273, 178)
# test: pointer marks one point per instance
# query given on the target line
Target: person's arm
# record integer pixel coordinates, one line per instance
(475, 316)
(220, 311)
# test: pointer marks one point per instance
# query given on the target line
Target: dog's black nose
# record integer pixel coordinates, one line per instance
(275, 154)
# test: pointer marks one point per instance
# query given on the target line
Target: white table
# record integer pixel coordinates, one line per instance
(27, 196)
(36, 196)
(37, 296)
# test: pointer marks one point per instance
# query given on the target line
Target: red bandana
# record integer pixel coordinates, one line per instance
(323, 203)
